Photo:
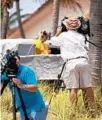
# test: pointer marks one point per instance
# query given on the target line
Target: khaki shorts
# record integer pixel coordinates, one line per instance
(77, 74)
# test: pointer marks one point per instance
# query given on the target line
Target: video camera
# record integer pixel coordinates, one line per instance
(8, 63)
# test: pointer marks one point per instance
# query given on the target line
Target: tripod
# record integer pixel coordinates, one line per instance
(14, 87)
(58, 82)
(13, 96)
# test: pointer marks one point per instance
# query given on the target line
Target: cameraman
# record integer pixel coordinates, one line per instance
(32, 98)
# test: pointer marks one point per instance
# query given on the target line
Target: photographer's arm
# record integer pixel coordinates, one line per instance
(28, 87)
(55, 41)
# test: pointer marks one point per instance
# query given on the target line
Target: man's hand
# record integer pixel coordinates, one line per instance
(17, 82)
(30, 88)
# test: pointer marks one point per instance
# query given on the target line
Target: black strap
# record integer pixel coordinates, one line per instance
(22, 104)
(86, 40)
(59, 76)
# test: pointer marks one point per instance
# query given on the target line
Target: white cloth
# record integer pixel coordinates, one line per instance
(72, 44)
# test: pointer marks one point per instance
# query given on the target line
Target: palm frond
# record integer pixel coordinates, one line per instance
(72, 4)
(14, 14)
(15, 19)
(78, 5)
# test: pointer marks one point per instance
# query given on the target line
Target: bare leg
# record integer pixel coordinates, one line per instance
(90, 101)
(73, 96)
(88, 97)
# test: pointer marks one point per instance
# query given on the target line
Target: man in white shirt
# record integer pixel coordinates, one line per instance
(77, 72)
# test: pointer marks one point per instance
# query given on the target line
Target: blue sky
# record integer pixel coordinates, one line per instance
(28, 6)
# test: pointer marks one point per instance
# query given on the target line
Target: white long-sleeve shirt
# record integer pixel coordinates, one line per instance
(72, 44)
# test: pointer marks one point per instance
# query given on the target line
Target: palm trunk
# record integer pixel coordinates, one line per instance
(96, 30)
(19, 19)
(4, 23)
(56, 6)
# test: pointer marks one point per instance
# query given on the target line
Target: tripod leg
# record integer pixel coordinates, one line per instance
(13, 101)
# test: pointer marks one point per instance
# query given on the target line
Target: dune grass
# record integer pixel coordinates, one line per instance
(60, 108)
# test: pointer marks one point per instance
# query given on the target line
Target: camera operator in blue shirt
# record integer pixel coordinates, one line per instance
(27, 82)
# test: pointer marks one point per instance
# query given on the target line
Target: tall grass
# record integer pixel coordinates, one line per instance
(60, 107)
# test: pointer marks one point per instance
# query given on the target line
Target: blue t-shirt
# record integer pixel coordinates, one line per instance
(32, 100)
